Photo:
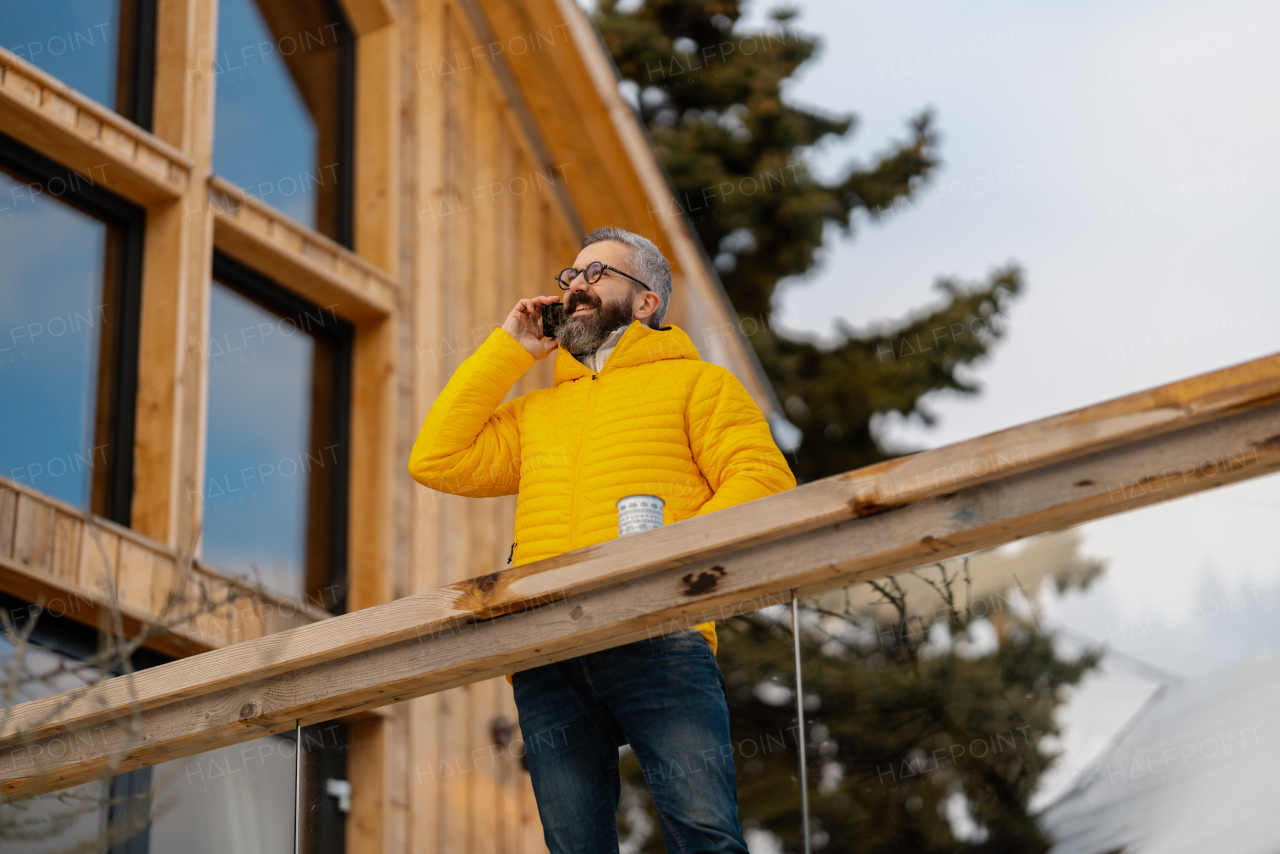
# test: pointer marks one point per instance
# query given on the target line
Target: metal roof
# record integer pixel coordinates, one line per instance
(1193, 771)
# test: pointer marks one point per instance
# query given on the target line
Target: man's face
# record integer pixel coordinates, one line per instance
(593, 311)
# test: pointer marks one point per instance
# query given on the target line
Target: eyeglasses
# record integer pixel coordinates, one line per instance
(592, 275)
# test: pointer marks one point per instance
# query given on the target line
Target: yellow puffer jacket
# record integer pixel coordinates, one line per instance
(656, 420)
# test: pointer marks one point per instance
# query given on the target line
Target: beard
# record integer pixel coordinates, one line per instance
(585, 333)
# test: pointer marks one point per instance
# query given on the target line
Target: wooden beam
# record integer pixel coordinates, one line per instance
(426, 323)
(367, 16)
(1148, 447)
(49, 553)
(486, 48)
(85, 136)
(314, 266)
(892, 484)
(178, 250)
(377, 165)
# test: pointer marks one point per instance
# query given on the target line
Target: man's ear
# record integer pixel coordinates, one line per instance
(647, 306)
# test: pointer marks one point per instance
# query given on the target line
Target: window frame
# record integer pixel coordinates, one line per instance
(345, 226)
(72, 639)
(131, 219)
(64, 636)
(259, 287)
(143, 90)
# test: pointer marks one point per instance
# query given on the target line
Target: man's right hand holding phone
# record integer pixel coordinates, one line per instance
(523, 324)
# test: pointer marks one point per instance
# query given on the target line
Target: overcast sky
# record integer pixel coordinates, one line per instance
(1118, 151)
(1122, 153)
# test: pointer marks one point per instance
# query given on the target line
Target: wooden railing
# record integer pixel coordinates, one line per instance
(1144, 448)
(78, 565)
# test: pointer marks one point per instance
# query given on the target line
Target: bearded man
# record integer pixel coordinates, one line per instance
(632, 411)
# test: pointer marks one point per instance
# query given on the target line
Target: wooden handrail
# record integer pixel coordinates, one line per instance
(1143, 448)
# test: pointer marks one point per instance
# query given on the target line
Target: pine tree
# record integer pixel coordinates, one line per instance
(711, 98)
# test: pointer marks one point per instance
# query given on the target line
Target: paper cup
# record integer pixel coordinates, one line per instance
(638, 513)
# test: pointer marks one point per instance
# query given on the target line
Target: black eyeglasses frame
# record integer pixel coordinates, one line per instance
(565, 283)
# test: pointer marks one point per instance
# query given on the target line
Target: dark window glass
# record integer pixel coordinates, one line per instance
(103, 48)
(74, 819)
(325, 796)
(239, 798)
(282, 129)
(68, 333)
(275, 467)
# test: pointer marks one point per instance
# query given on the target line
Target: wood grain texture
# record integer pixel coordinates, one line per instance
(374, 753)
(88, 138)
(313, 265)
(33, 532)
(484, 50)
(430, 247)
(61, 555)
(458, 637)
(1127, 421)
(490, 173)
(816, 561)
(377, 172)
(134, 576)
(63, 597)
(67, 537)
(8, 519)
(368, 16)
(462, 517)
(99, 557)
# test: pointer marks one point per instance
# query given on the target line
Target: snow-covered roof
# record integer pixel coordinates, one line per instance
(1193, 772)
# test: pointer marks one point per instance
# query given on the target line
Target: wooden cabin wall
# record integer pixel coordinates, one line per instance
(469, 255)
(439, 258)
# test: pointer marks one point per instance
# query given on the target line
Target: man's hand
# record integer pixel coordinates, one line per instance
(523, 325)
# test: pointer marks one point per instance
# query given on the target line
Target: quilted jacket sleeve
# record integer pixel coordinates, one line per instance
(732, 444)
(469, 444)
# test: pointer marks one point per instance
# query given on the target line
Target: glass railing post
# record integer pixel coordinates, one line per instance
(804, 763)
(297, 788)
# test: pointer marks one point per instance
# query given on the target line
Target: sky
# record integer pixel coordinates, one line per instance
(1118, 152)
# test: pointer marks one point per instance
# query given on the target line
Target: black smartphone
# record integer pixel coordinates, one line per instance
(552, 317)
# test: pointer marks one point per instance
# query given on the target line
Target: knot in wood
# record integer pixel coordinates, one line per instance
(576, 613)
(487, 583)
(249, 710)
(704, 583)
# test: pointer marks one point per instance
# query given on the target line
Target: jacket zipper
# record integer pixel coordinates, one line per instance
(577, 466)
(513, 553)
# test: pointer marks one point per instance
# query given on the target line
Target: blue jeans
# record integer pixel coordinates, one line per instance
(666, 698)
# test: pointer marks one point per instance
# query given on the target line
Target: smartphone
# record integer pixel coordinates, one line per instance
(552, 317)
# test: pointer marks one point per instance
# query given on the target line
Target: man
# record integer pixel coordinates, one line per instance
(633, 410)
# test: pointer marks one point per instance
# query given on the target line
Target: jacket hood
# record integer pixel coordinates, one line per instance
(639, 345)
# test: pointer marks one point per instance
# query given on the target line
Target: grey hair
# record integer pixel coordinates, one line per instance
(647, 264)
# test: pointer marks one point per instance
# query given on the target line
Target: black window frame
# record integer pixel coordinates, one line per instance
(344, 228)
(141, 98)
(273, 296)
(101, 204)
